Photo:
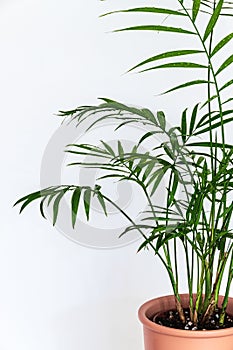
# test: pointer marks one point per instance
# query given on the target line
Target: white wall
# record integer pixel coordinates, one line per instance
(55, 294)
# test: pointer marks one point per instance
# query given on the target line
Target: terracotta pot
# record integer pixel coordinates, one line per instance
(157, 337)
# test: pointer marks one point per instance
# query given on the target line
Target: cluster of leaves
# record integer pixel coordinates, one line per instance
(201, 170)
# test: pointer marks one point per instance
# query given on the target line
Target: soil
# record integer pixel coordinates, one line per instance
(171, 319)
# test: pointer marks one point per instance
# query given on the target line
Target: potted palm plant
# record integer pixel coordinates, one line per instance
(195, 159)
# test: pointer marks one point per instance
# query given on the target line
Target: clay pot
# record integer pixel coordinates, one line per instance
(157, 337)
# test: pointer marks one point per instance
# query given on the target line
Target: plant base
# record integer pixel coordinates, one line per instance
(171, 319)
(157, 337)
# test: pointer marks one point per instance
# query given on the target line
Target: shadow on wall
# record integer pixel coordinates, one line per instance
(112, 325)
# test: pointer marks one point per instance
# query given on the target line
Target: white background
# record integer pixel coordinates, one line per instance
(55, 294)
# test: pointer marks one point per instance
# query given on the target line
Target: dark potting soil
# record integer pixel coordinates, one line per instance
(171, 319)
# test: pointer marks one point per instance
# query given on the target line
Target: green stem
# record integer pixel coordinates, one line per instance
(198, 305)
(225, 300)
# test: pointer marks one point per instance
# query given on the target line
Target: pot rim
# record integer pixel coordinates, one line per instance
(178, 332)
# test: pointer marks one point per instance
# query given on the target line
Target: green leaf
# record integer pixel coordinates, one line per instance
(204, 175)
(133, 120)
(221, 44)
(176, 65)
(215, 117)
(120, 149)
(174, 188)
(161, 119)
(214, 126)
(209, 100)
(161, 242)
(149, 115)
(134, 227)
(56, 204)
(190, 83)
(168, 151)
(88, 154)
(89, 147)
(184, 125)
(138, 168)
(42, 207)
(159, 177)
(167, 55)
(228, 100)
(230, 82)
(87, 201)
(35, 195)
(148, 134)
(28, 199)
(51, 197)
(148, 170)
(193, 119)
(195, 9)
(102, 202)
(75, 204)
(152, 237)
(200, 240)
(204, 118)
(225, 64)
(108, 148)
(131, 162)
(111, 175)
(148, 9)
(145, 243)
(156, 28)
(213, 19)
(209, 144)
(197, 209)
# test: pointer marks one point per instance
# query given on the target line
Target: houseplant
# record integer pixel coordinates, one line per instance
(195, 159)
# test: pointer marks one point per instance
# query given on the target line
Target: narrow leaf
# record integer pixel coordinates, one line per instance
(193, 119)
(168, 151)
(75, 204)
(161, 119)
(30, 197)
(190, 83)
(149, 115)
(196, 8)
(209, 100)
(159, 178)
(184, 125)
(228, 100)
(148, 9)
(213, 19)
(51, 197)
(56, 204)
(108, 148)
(148, 134)
(108, 176)
(221, 44)
(88, 147)
(148, 170)
(42, 208)
(225, 64)
(167, 55)
(216, 117)
(87, 201)
(176, 65)
(102, 202)
(120, 149)
(230, 82)
(214, 126)
(157, 28)
(209, 144)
